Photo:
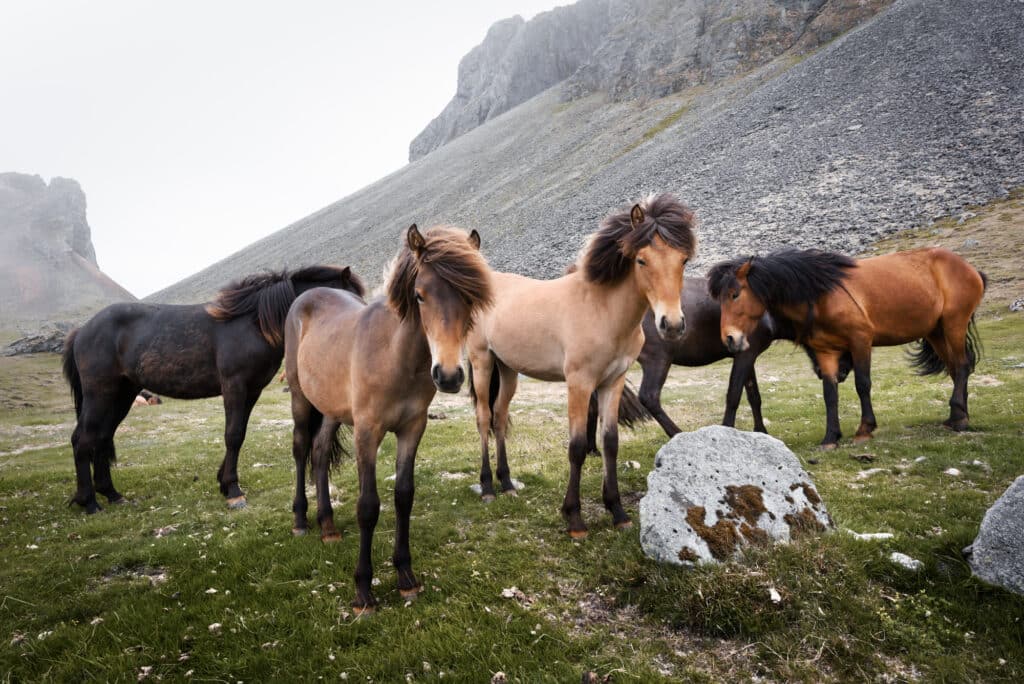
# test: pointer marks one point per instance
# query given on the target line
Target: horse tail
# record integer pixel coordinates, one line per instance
(334, 448)
(973, 343)
(70, 367)
(492, 394)
(631, 410)
(925, 360)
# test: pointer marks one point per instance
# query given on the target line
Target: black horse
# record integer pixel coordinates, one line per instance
(230, 347)
(701, 345)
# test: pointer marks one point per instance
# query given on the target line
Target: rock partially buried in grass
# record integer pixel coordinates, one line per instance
(997, 554)
(718, 489)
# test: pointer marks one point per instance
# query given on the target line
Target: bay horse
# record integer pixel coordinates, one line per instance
(583, 328)
(839, 305)
(701, 345)
(229, 347)
(376, 367)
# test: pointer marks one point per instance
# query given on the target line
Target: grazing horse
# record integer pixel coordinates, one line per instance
(377, 367)
(229, 347)
(839, 305)
(583, 328)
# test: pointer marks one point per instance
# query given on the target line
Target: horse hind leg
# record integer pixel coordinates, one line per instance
(481, 366)
(957, 347)
(608, 403)
(306, 421)
(93, 445)
(324, 455)
(507, 389)
(106, 454)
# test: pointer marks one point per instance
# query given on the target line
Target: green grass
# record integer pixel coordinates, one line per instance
(846, 613)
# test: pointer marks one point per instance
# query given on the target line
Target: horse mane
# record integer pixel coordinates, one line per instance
(449, 253)
(609, 255)
(789, 276)
(268, 296)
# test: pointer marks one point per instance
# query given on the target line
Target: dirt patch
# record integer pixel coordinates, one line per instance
(721, 539)
(688, 555)
(746, 502)
(803, 523)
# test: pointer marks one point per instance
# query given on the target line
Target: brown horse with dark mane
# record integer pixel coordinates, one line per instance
(229, 347)
(583, 328)
(377, 367)
(839, 305)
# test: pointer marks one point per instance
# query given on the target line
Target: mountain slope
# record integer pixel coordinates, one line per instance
(911, 116)
(48, 268)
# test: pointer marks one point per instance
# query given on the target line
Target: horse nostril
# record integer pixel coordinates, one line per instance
(460, 375)
(730, 341)
(435, 373)
(663, 323)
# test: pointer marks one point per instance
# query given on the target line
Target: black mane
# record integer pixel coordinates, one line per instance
(267, 296)
(789, 276)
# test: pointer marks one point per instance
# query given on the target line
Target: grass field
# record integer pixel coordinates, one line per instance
(134, 593)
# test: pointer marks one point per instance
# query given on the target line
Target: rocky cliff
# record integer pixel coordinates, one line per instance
(914, 114)
(629, 49)
(48, 266)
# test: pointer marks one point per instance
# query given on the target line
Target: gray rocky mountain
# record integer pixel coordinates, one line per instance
(48, 268)
(910, 116)
(630, 49)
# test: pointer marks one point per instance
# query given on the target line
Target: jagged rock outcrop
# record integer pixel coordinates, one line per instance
(913, 115)
(717, 490)
(48, 266)
(997, 554)
(630, 49)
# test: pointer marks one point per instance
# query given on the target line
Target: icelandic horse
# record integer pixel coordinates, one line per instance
(584, 329)
(376, 367)
(840, 306)
(228, 347)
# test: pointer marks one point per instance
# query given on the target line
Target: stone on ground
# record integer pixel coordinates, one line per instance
(718, 489)
(997, 554)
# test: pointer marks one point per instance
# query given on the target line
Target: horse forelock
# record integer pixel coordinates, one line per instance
(448, 252)
(608, 255)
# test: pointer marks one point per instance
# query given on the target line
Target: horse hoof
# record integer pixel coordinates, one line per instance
(624, 525)
(91, 509)
(487, 498)
(828, 446)
(956, 425)
(331, 537)
(860, 439)
(411, 593)
(237, 502)
(578, 534)
(299, 531)
(363, 611)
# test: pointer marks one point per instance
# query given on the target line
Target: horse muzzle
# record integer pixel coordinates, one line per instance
(736, 342)
(671, 331)
(447, 382)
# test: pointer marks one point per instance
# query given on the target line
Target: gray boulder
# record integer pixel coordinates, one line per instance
(997, 554)
(718, 489)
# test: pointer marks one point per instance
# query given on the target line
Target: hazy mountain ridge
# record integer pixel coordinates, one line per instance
(913, 115)
(48, 267)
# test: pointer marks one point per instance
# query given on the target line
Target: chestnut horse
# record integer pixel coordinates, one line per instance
(583, 328)
(377, 367)
(229, 347)
(839, 305)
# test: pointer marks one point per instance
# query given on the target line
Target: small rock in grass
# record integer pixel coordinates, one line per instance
(952, 472)
(144, 673)
(920, 459)
(870, 536)
(774, 595)
(214, 628)
(211, 590)
(96, 621)
(499, 678)
(905, 561)
(865, 474)
(863, 458)
(631, 465)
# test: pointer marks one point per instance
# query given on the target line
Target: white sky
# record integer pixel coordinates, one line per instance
(197, 127)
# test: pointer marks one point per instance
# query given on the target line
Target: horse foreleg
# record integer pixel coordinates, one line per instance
(302, 442)
(862, 380)
(754, 399)
(655, 373)
(608, 404)
(592, 426)
(323, 443)
(367, 440)
(509, 382)
(579, 400)
(828, 364)
(481, 367)
(237, 407)
(405, 488)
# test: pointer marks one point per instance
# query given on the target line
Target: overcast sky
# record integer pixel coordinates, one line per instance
(197, 127)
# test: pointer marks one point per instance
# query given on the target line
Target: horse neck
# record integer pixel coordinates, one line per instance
(628, 301)
(409, 343)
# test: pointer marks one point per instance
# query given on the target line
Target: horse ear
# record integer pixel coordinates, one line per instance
(744, 270)
(636, 216)
(474, 238)
(415, 240)
(346, 273)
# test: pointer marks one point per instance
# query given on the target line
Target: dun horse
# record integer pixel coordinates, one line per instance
(376, 367)
(230, 347)
(838, 305)
(583, 328)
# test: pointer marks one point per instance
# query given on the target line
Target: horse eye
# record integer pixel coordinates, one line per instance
(419, 297)
(736, 294)
(641, 262)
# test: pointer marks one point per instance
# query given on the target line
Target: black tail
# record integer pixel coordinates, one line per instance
(492, 395)
(71, 371)
(335, 446)
(631, 411)
(928, 362)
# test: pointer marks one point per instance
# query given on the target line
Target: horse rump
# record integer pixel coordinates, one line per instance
(926, 361)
